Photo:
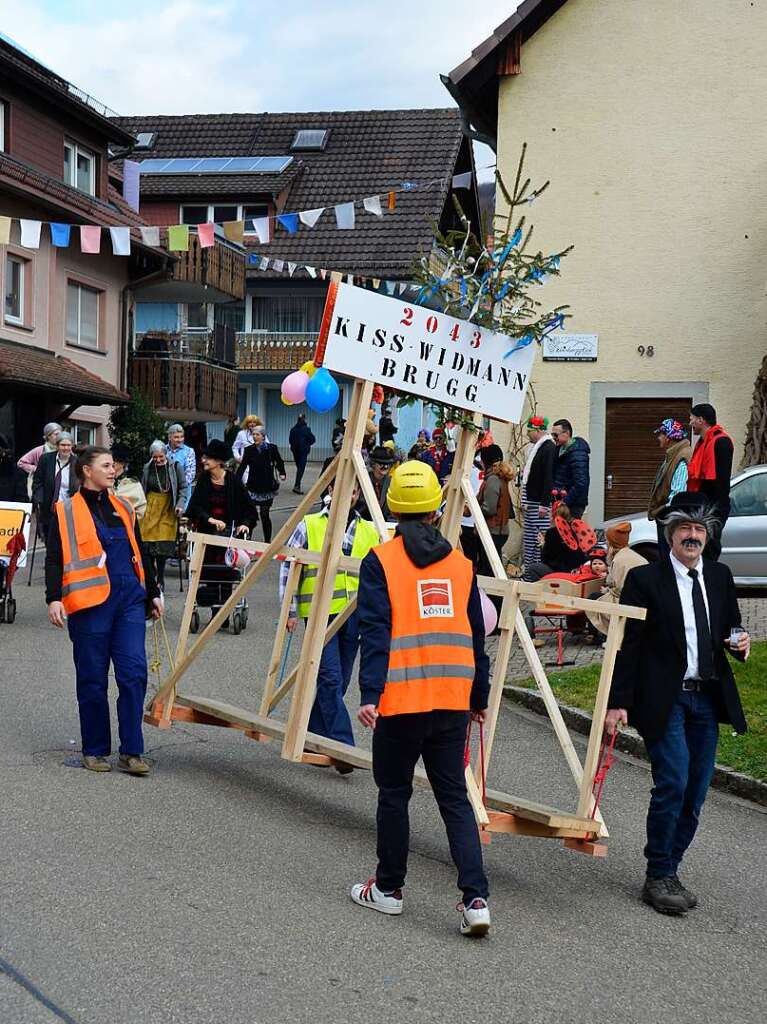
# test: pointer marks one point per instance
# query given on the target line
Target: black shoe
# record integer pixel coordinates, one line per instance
(689, 897)
(344, 769)
(662, 896)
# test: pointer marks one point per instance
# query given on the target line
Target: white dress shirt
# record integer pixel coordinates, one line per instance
(64, 468)
(684, 586)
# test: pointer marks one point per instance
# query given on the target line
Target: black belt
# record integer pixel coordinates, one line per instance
(697, 685)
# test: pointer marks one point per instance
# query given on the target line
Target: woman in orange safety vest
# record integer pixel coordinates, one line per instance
(99, 581)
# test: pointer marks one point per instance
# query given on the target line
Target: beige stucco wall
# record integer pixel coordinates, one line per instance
(50, 270)
(648, 117)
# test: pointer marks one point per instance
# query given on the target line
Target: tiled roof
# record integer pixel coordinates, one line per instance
(27, 366)
(368, 152)
(173, 186)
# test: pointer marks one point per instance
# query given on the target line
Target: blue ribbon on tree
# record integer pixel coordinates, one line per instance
(523, 342)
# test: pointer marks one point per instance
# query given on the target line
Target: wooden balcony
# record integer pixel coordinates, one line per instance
(188, 375)
(215, 274)
(267, 350)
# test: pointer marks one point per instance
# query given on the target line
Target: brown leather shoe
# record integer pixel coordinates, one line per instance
(96, 764)
(133, 764)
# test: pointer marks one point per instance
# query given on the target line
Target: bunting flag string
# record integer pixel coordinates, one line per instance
(234, 230)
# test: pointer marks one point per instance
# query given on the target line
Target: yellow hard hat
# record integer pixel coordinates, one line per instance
(414, 488)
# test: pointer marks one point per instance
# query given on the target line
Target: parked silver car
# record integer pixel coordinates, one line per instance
(744, 541)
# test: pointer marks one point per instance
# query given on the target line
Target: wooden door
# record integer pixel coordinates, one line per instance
(632, 454)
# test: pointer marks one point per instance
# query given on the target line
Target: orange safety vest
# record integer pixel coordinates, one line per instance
(431, 659)
(85, 582)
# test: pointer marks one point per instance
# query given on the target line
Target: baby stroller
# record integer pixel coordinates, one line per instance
(215, 586)
(8, 564)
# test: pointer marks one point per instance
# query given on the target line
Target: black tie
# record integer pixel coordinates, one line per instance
(705, 649)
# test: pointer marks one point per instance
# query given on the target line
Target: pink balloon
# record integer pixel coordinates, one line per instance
(489, 613)
(294, 387)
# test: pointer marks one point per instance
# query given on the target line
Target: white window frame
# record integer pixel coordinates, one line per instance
(76, 426)
(8, 317)
(77, 150)
(80, 288)
(240, 208)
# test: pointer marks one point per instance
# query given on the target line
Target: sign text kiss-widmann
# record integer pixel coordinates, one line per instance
(423, 352)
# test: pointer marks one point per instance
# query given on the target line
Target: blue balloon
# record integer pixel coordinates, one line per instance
(322, 391)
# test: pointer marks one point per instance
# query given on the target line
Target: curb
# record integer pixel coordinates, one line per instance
(630, 742)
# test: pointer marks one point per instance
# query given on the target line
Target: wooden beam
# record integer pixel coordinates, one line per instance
(450, 523)
(294, 577)
(369, 494)
(247, 582)
(317, 623)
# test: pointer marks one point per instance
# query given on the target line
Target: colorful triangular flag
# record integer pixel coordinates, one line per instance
(311, 271)
(373, 205)
(206, 234)
(131, 183)
(178, 238)
(30, 233)
(234, 230)
(289, 221)
(120, 237)
(310, 217)
(323, 273)
(264, 263)
(90, 238)
(261, 227)
(60, 234)
(150, 236)
(345, 216)
(279, 265)
(291, 269)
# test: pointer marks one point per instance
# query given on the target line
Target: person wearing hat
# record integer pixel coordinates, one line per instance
(126, 486)
(674, 684)
(423, 672)
(381, 462)
(710, 469)
(537, 485)
(53, 479)
(620, 560)
(671, 477)
(167, 493)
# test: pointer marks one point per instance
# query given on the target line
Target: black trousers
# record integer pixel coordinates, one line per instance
(470, 544)
(439, 737)
(264, 508)
(300, 469)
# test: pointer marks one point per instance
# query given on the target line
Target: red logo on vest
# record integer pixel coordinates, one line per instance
(435, 599)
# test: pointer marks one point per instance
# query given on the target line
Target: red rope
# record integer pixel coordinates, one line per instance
(467, 754)
(604, 764)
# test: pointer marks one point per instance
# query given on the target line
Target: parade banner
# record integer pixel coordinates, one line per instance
(15, 516)
(424, 352)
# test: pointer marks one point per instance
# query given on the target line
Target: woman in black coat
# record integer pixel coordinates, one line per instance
(264, 464)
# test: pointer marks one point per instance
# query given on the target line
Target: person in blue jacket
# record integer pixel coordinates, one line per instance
(571, 467)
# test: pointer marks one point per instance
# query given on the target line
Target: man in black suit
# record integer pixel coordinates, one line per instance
(673, 682)
(54, 478)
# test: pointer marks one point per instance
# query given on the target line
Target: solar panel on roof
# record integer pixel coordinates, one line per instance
(217, 165)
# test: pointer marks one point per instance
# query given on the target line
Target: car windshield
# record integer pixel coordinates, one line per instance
(749, 496)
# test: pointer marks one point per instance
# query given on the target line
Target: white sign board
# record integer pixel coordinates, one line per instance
(424, 352)
(570, 348)
(14, 516)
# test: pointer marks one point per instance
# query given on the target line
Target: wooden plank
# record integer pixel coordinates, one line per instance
(247, 582)
(316, 626)
(552, 707)
(369, 494)
(506, 619)
(612, 646)
(510, 823)
(360, 758)
(195, 567)
(450, 523)
(474, 794)
(535, 592)
(280, 634)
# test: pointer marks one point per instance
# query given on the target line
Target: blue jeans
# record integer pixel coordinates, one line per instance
(682, 762)
(440, 738)
(329, 716)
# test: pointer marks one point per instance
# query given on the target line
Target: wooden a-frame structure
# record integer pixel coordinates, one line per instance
(581, 828)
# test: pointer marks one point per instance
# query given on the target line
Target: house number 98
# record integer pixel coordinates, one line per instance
(649, 351)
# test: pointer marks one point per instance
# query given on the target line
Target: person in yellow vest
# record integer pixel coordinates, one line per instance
(423, 672)
(99, 582)
(329, 716)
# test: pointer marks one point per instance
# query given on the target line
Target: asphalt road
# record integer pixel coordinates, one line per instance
(216, 890)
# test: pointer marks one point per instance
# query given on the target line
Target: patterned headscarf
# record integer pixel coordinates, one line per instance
(673, 430)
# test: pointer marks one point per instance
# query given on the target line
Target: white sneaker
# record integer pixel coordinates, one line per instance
(367, 894)
(475, 919)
